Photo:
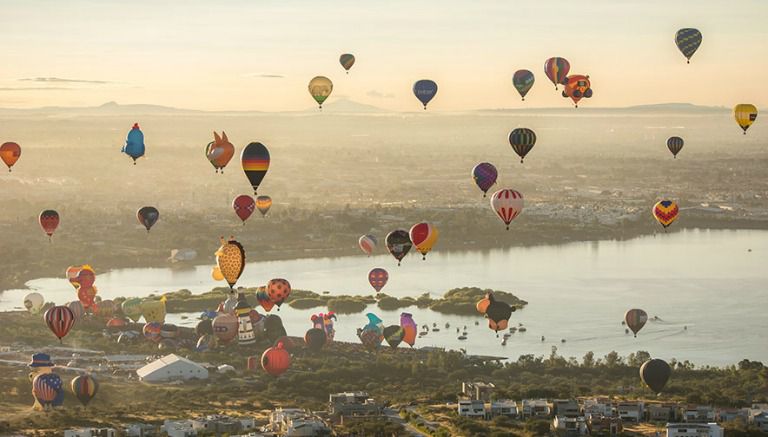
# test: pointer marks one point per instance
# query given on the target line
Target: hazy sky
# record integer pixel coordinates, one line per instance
(260, 54)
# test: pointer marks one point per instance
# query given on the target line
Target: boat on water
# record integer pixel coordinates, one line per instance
(462, 337)
(513, 330)
(504, 342)
(435, 329)
(521, 329)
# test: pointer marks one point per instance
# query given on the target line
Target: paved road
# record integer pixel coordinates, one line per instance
(394, 416)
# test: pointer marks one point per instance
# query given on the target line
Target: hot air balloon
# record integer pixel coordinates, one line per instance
(347, 60)
(655, 373)
(398, 244)
(263, 203)
(152, 331)
(635, 320)
(276, 360)
(378, 278)
(409, 328)
(46, 388)
(206, 342)
(577, 87)
(34, 302)
(498, 313)
(675, 145)
(225, 327)
(49, 221)
(278, 290)
(273, 327)
(263, 298)
(148, 216)
(320, 88)
(523, 81)
(255, 161)
(134, 144)
(315, 339)
(85, 388)
(482, 305)
(507, 204)
(522, 141)
(106, 308)
(424, 90)
(153, 310)
(371, 339)
(665, 212)
(132, 308)
(10, 152)
(485, 175)
(204, 327)
(557, 69)
(393, 335)
(77, 309)
(59, 320)
(86, 292)
(244, 206)
(688, 41)
(230, 258)
(745, 114)
(423, 236)
(330, 332)
(220, 151)
(367, 243)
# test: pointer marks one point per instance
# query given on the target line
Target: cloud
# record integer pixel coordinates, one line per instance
(265, 75)
(61, 80)
(380, 95)
(36, 88)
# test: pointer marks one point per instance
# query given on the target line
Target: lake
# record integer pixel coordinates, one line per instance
(714, 283)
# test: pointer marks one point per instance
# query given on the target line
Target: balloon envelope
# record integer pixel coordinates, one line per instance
(225, 327)
(46, 388)
(148, 216)
(49, 221)
(745, 114)
(523, 81)
(507, 204)
(347, 60)
(320, 88)
(635, 319)
(244, 206)
(85, 388)
(255, 161)
(665, 212)
(315, 339)
(34, 302)
(409, 328)
(485, 175)
(675, 145)
(557, 69)
(10, 152)
(399, 244)
(423, 236)
(59, 320)
(655, 373)
(522, 141)
(425, 90)
(688, 41)
(220, 151)
(393, 335)
(230, 258)
(134, 143)
(378, 278)
(367, 243)
(263, 203)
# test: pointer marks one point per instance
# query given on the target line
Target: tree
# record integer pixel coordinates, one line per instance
(589, 360)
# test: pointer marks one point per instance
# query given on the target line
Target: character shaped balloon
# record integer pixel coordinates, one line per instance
(315, 339)
(409, 328)
(47, 390)
(134, 144)
(153, 310)
(497, 312)
(372, 334)
(393, 335)
(320, 88)
(10, 152)
(230, 258)
(220, 151)
(86, 291)
(255, 162)
(577, 87)
(276, 360)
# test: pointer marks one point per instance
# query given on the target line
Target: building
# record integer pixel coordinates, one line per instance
(504, 407)
(630, 411)
(660, 412)
(536, 408)
(478, 390)
(610, 426)
(352, 404)
(598, 407)
(697, 414)
(178, 428)
(694, 430)
(570, 426)
(566, 408)
(729, 414)
(171, 368)
(140, 430)
(221, 424)
(471, 408)
(90, 432)
(295, 422)
(758, 418)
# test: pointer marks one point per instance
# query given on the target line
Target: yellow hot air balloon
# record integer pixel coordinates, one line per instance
(153, 310)
(745, 114)
(320, 88)
(423, 236)
(216, 274)
(230, 258)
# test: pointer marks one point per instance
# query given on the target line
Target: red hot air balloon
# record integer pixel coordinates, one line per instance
(278, 290)
(276, 360)
(49, 221)
(378, 278)
(10, 152)
(59, 320)
(244, 205)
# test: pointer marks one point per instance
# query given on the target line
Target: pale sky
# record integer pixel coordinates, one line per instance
(260, 54)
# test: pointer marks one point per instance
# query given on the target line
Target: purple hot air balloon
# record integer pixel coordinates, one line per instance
(485, 175)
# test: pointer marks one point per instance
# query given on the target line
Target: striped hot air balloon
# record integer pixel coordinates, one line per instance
(46, 388)
(347, 60)
(675, 145)
(522, 141)
(635, 319)
(85, 388)
(665, 212)
(557, 70)
(263, 203)
(255, 161)
(507, 204)
(59, 320)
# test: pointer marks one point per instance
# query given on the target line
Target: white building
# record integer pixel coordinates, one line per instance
(471, 408)
(536, 408)
(759, 418)
(630, 411)
(90, 432)
(570, 426)
(172, 367)
(598, 407)
(139, 430)
(178, 428)
(694, 430)
(295, 422)
(504, 407)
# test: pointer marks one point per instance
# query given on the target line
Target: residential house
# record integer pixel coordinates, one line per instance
(90, 432)
(660, 412)
(697, 414)
(221, 424)
(630, 411)
(566, 408)
(570, 426)
(471, 408)
(170, 368)
(536, 408)
(140, 430)
(729, 414)
(353, 404)
(478, 390)
(607, 426)
(759, 418)
(504, 407)
(178, 428)
(295, 422)
(694, 430)
(598, 407)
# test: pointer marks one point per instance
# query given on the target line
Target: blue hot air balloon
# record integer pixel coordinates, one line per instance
(134, 144)
(425, 90)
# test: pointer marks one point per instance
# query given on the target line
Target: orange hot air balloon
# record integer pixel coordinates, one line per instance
(278, 290)
(10, 152)
(577, 87)
(230, 258)
(263, 203)
(220, 151)
(276, 360)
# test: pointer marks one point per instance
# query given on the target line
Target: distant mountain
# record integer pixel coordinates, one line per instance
(654, 108)
(347, 106)
(109, 108)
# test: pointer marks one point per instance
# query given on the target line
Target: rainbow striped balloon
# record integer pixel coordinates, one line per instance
(255, 161)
